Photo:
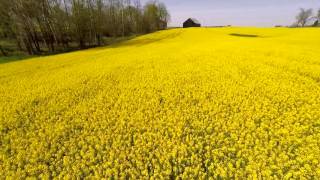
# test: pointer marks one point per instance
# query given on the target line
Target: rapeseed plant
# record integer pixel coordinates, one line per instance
(196, 103)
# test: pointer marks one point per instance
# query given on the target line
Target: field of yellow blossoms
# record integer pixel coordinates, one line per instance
(220, 103)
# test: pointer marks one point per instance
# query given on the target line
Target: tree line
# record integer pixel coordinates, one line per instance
(306, 16)
(39, 26)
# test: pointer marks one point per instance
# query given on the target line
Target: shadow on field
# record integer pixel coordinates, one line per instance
(244, 35)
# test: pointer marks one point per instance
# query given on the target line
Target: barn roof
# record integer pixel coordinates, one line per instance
(194, 20)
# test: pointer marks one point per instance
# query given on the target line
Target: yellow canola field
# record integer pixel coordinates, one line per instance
(228, 103)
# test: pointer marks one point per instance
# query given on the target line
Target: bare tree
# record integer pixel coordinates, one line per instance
(304, 16)
(164, 15)
(316, 19)
(41, 26)
(155, 16)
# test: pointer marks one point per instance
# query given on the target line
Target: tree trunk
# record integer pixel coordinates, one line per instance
(98, 39)
(82, 44)
(28, 46)
(3, 51)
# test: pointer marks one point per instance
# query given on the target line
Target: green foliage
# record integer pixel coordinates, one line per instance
(47, 26)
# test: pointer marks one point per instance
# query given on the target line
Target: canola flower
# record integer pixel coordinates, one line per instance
(178, 104)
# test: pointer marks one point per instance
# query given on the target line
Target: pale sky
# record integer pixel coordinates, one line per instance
(237, 12)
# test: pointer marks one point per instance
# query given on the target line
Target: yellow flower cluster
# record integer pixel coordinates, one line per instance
(224, 103)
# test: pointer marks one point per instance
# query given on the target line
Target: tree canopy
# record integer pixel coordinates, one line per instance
(52, 25)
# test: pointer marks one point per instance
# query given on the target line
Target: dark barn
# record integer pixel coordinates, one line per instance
(191, 22)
